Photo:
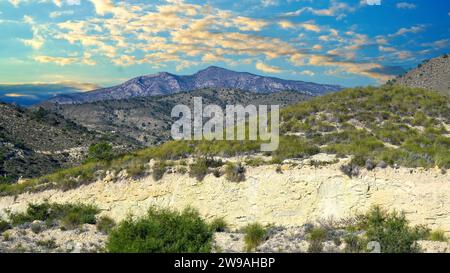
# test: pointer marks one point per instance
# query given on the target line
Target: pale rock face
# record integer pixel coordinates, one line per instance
(298, 195)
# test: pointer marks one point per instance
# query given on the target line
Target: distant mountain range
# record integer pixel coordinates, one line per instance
(432, 74)
(212, 77)
(33, 93)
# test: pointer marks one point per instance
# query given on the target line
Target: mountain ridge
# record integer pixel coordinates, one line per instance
(165, 83)
(433, 74)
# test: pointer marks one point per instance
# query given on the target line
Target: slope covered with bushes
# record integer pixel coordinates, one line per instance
(392, 125)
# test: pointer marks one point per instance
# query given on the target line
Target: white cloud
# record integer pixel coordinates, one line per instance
(406, 5)
(268, 68)
(413, 29)
(56, 14)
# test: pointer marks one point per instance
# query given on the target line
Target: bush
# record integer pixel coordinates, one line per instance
(392, 231)
(316, 238)
(69, 215)
(159, 169)
(255, 234)
(136, 168)
(49, 244)
(105, 224)
(438, 236)
(218, 225)
(350, 170)
(4, 226)
(100, 151)
(199, 169)
(235, 172)
(161, 231)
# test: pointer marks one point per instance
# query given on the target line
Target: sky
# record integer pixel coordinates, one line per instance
(105, 42)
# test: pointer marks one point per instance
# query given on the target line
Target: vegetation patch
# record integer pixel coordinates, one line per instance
(162, 231)
(255, 234)
(235, 172)
(69, 216)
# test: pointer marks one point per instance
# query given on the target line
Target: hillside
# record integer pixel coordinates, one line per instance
(36, 142)
(376, 127)
(340, 156)
(432, 74)
(147, 119)
(212, 77)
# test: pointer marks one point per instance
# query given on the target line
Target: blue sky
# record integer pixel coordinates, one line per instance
(328, 41)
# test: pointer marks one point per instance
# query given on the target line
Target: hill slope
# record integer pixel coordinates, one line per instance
(148, 119)
(433, 75)
(378, 127)
(36, 142)
(213, 77)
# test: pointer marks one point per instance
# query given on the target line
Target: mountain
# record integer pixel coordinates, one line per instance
(212, 77)
(432, 74)
(33, 93)
(147, 119)
(34, 142)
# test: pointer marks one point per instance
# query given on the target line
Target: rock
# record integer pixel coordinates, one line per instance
(382, 164)
(370, 165)
(37, 226)
(434, 247)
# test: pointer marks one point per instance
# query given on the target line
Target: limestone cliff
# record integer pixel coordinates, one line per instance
(297, 195)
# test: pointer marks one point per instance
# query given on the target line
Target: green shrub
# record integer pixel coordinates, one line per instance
(218, 225)
(199, 169)
(69, 215)
(353, 244)
(392, 231)
(101, 151)
(136, 168)
(255, 234)
(105, 224)
(438, 236)
(49, 244)
(4, 225)
(235, 172)
(158, 170)
(162, 231)
(316, 237)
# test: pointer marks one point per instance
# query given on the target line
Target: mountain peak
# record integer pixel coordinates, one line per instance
(212, 77)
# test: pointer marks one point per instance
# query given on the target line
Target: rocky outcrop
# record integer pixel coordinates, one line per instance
(298, 194)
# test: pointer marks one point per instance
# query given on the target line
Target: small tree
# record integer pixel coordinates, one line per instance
(100, 151)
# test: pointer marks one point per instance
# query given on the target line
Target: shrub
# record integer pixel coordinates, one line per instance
(158, 170)
(392, 231)
(162, 231)
(350, 170)
(255, 234)
(235, 172)
(199, 169)
(105, 224)
(136, 168)
(438, 236)
(4, 225)
(353, 244)
(316, 238)
(70, 215)
(218, 225)
(100, 151)
(49, 244)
